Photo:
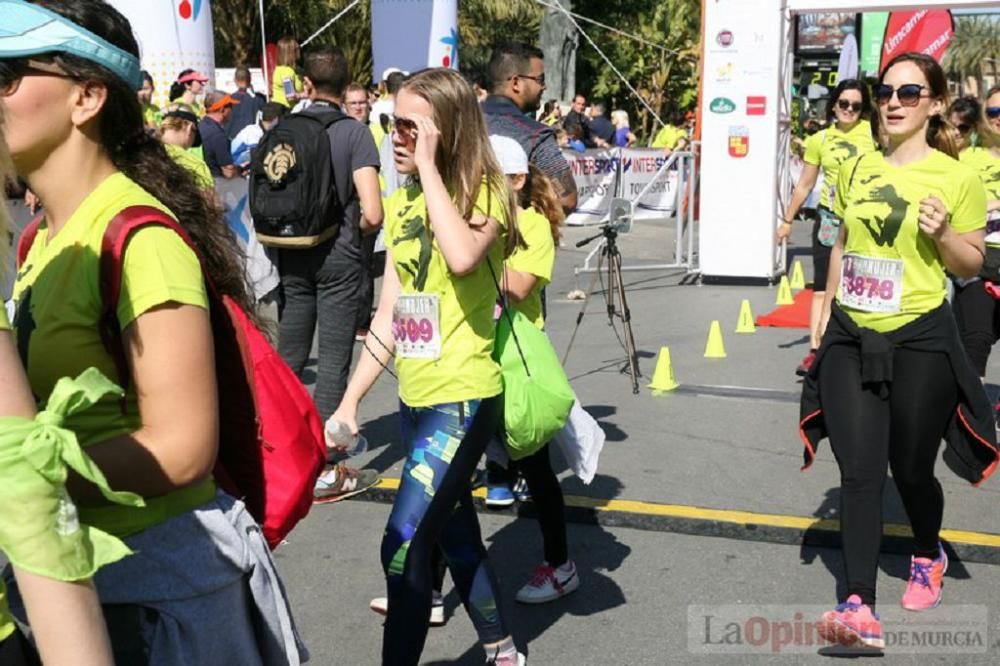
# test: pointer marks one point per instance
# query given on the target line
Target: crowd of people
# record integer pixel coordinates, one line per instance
(454, 195)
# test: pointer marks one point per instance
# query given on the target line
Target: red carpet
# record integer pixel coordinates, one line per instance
(790, 316)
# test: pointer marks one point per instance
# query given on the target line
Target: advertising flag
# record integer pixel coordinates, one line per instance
(414, 34)
(922, 31)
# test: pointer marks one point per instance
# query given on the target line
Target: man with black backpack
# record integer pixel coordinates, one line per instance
(314, 193)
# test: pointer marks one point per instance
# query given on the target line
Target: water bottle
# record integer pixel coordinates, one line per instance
(338, 435)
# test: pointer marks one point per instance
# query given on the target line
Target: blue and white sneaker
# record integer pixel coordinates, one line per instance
(499, 496)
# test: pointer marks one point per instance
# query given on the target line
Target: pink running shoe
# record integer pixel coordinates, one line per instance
(923, 591)
(852, 624)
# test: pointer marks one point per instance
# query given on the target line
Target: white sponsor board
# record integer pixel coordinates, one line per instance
(173, 36)
(233, 193)
(740, 101)
(595, 173)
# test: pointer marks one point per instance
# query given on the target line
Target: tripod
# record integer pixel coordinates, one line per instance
(610, 260)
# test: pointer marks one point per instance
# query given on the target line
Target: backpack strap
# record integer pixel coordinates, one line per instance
(27, 239)
(113, 244)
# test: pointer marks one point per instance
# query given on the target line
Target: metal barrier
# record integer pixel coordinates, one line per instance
(684, 219)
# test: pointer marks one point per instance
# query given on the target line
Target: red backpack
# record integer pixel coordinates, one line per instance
(271, 446)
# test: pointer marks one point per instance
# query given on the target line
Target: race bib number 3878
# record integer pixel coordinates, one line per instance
(871, 284)
(416, 326)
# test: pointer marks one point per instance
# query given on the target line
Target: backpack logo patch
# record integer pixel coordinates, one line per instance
(278, 162)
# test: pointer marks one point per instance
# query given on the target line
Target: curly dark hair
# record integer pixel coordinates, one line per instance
(143, 159)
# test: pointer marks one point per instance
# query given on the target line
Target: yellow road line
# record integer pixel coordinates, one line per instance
(737, 517)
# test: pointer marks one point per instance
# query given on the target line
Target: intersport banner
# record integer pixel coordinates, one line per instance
(641, 168)
(173, 35)
(600, 174)
(414, 34)
(924, 31)
(595, 173)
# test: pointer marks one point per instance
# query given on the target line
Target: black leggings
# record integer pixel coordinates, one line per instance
(547, 496)
(978, 315)
(868, 433)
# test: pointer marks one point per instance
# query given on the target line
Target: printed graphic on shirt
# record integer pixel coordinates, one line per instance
(415, 228)
(883, 226)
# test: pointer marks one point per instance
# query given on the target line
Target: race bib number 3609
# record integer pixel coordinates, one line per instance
(416, 326)
(871, 284)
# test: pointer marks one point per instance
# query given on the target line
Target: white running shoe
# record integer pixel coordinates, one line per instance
(521, 661)
(549, 584)
(380, 605)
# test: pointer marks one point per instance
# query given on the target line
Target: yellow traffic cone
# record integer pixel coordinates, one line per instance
(745, 323)
(663, 376)
(714, 347)
(784, 292)
(798, 277)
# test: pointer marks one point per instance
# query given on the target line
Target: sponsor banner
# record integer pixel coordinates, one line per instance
(172, 36)
(738, 181)
(749, 629)
(872, 30)
(414, 34)
(722, 105)
(922, 31)
(595, 173)
(640, 167)
(739, 141)
(756, 105)
(234, 195)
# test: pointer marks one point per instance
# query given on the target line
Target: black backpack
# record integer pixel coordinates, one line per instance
(293, 197)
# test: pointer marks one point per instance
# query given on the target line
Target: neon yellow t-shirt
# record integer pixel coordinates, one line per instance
(987, 165)
(57, 319)
(536, 259)
(278, 78)
(880, 207)
(191, 162)
(151, 115)
(668, 137)
(465, 369)
(830, 148)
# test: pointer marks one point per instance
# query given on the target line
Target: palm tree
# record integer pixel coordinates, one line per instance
(973, 51)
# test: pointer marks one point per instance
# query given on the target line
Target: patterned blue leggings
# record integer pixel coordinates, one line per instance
(434, 505)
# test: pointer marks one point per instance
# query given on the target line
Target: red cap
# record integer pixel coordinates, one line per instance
(193, 76)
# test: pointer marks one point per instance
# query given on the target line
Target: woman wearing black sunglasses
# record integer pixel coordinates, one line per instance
(848, 134)
(977, 308)
(891, 379)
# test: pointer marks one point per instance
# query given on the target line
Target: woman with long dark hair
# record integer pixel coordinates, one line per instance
(847, 135)
(445, 230)
(200, 585)
(891, 378)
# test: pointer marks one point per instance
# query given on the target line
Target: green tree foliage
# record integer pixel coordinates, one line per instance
(667, 80)
(352, 32)
(484, 23)
(974, 50)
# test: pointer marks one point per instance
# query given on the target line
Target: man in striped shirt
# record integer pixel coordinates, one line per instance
(517, 80)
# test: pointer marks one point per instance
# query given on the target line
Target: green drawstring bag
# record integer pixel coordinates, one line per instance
(537, 397)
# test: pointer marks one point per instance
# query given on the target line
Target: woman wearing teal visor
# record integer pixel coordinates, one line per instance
(199, 586)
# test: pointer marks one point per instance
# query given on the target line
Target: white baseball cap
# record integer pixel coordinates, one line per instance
(513, 160)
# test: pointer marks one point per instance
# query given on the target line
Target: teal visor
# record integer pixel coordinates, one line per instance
(28, 30)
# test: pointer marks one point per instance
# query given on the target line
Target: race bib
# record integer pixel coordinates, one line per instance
(871, 284)
(416, 326)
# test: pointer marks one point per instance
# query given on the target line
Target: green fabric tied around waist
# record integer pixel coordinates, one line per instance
(40, 529)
